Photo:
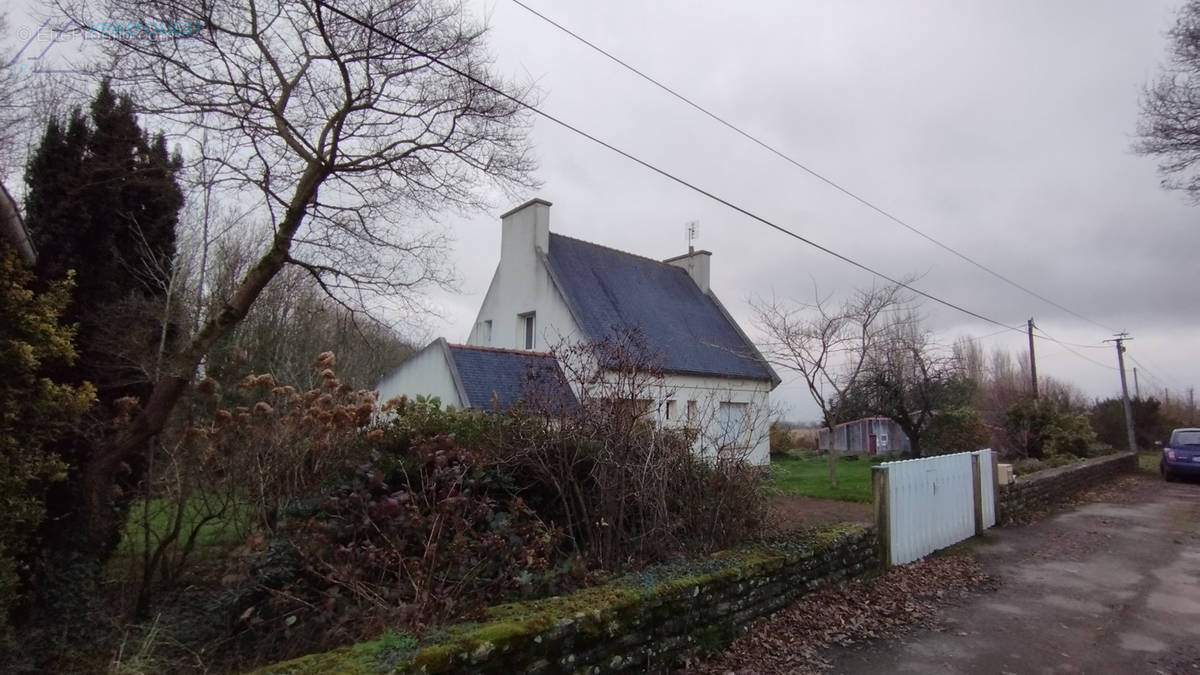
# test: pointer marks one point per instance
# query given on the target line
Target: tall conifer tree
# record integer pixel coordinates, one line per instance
(103, 202)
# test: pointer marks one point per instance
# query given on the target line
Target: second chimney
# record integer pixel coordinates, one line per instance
(696, 263)
(525, 229)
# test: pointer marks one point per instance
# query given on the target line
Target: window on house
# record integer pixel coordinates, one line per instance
(692, 412)
(487, 332)
(733, 421)
(528, 328)
(671, 412)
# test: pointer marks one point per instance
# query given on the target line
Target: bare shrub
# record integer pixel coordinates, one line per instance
(624, 489)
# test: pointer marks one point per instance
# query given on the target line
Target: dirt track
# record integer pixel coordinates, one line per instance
(794, 512)
(1109, 587)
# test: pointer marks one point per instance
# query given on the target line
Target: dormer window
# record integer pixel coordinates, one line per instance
(528, 327)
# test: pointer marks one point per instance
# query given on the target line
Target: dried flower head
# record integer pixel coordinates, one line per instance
(125, 405)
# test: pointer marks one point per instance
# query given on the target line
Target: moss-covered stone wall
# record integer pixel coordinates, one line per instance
(642, 622)
(1043, 488)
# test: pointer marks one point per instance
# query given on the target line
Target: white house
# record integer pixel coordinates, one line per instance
(550, 290)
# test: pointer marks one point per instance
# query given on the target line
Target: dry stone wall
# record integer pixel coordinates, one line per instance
(644, 622)
(1038, 490)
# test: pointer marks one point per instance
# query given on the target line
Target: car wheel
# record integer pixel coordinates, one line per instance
(1166, 473)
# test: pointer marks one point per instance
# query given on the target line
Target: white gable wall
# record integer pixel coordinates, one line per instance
(426, 373)
(522, 284)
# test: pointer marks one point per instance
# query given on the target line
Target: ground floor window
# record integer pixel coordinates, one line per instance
(733, 420)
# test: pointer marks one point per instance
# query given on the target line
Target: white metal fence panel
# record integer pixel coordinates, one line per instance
(987, 486)
(931, 504)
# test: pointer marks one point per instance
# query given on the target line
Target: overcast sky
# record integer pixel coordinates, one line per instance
(1001, 129)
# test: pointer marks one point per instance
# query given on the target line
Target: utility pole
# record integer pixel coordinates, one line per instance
(1137, 391)
(1032, 359)
(1120, 339)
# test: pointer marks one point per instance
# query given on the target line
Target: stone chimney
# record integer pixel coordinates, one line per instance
(696, 263)
(525, 229)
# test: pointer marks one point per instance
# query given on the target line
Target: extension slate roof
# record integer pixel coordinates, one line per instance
(489, 377)
(683, 326)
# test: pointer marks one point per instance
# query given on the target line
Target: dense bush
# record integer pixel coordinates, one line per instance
(409, 515)
(418, 532)
(957, 428)
(1044, 431)
(34, 412)
(1149, 422)
(780, 439)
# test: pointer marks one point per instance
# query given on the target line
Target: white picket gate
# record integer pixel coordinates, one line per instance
(935, 502)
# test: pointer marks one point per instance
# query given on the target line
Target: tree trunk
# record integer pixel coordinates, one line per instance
(832, 459)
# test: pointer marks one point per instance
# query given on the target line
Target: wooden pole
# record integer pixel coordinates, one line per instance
(1032, 360)
(996, 485)
(977, 485)
(883, 529)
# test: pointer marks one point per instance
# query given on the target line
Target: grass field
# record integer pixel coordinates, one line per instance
(809, 476)
(213, 534)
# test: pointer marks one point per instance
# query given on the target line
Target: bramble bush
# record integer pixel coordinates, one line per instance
(417, 532)
(361, 517)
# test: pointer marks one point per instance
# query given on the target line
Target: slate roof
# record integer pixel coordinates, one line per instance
(510, 376)
(683, 326)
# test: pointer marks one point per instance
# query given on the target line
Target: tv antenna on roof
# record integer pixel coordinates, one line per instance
(693, 231)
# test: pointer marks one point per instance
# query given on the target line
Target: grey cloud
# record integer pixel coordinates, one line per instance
(1003, 129)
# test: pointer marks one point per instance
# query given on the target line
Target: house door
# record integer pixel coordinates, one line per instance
(871, 444)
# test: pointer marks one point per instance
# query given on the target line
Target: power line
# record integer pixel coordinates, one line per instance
(981, 338)
(1047, 336)
(662, 172)
(1067, 346)
(1162, 381)
(1145, 370)
(812, 172)
(984, 337)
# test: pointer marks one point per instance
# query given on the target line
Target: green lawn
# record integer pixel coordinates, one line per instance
(215, 529)
(809, 476)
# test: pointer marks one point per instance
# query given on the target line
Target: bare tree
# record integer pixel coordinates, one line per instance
(1170, 124)
(908, 378)
(828, 345)
(15, 92)
(335, 133)
(290, 321)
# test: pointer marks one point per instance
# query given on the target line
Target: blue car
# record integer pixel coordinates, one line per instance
(1181, 454)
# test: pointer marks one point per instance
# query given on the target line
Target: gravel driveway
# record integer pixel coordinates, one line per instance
(1108, 587)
